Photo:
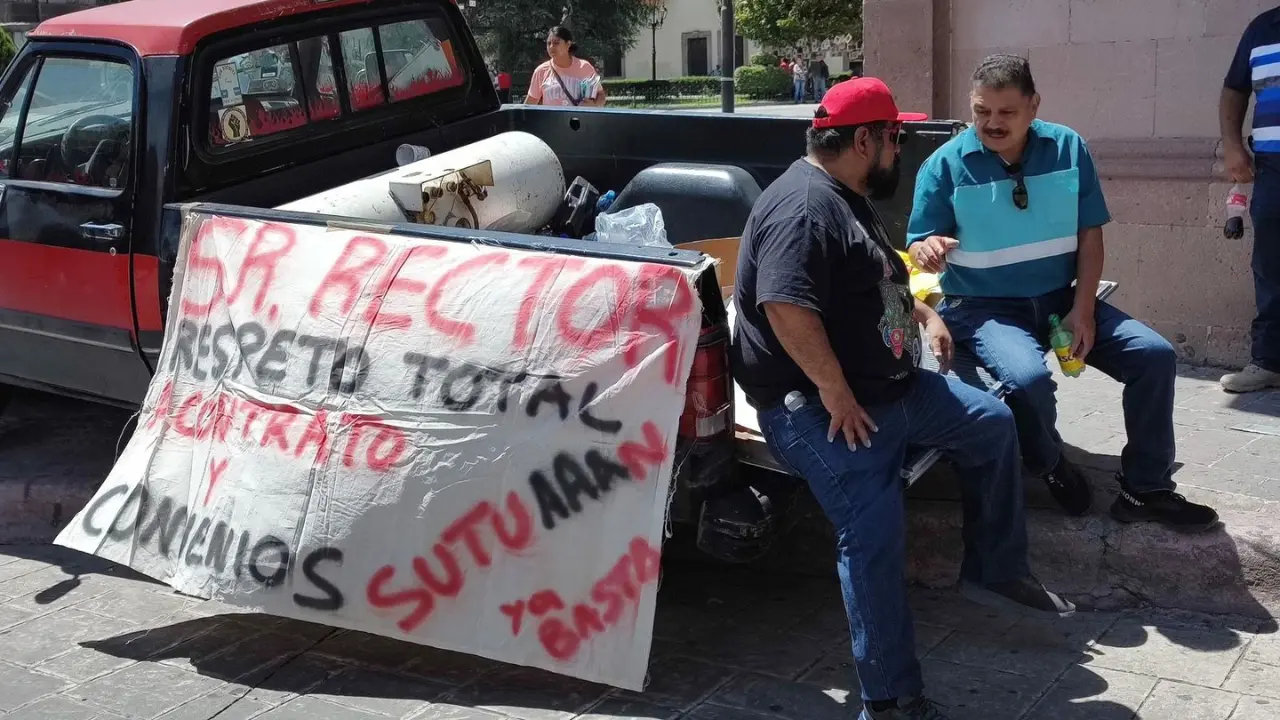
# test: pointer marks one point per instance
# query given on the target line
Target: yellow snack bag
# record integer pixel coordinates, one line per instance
(924, 286)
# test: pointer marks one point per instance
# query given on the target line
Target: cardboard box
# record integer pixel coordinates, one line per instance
(725, 251)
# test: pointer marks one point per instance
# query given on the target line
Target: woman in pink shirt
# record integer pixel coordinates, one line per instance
(565, 79)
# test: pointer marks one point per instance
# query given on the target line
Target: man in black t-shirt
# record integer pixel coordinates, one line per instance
(826, 347)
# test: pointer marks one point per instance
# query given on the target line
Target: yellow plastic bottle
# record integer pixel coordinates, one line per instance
(1060, 338)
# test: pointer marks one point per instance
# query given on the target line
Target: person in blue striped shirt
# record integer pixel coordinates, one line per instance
(1010, 211)
(1255, 69)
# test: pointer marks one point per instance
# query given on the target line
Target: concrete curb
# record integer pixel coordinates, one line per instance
(1095, 561)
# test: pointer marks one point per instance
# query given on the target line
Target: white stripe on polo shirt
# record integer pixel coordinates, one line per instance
(1263, 72)
(1264, 134)
(1264, 50)
(1013, 255)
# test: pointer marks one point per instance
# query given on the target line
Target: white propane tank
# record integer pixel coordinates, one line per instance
(512, 182)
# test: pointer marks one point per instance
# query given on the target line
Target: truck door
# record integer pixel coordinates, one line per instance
(67, 155)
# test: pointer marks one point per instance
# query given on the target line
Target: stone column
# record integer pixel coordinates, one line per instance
(898, 47)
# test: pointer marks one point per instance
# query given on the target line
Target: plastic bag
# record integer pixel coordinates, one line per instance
(639, 225)
(926, 287)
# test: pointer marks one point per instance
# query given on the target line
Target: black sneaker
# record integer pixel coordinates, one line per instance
(914, 708)
(1165, 507)
(1024, 597)
(1069, 487)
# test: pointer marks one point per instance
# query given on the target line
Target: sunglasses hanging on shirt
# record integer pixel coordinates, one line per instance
(1020, 198)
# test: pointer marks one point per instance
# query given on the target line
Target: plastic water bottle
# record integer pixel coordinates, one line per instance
(606, 201)
(1237, 208)
(1060, 338)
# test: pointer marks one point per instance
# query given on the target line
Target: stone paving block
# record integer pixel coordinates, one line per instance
(1172, 699)
(1091, 693)
(61, 707)
(1206, 447)
(1033, 647)
(792, 701)
(1246, 463)
(1264, 649)
(154, 641)
(10, 616)
(717, 712)
(977, 693)
(1251, 678)
(41, 586)
(14, 567)
(226, 703)
(623, 709)
(1202, 657)
(529, 694)
(390, 694)
(1256, 708)
(81, 664)
(446, 711)
(836, 671)
(308, 708)
(296, 677)
(249, 661)
(208, 638)
(143, 690)
(378, 651)
(1006, 654)
(774, 653)
(680, 681)
(19, 686)
(450, 668)
(825, 621)
(137, 605)
(48, 635)
(946, 608)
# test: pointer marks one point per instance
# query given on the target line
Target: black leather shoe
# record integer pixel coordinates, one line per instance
(1025, 596)
(1069, 487)
(1165, 507)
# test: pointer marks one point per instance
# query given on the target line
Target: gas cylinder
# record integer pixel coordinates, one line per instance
(512, 182)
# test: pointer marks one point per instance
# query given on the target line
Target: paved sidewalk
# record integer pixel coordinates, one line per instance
(80, 639)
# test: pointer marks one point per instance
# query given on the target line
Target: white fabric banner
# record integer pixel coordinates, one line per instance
(462, 446)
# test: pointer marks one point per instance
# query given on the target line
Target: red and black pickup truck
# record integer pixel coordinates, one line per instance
(115, 119)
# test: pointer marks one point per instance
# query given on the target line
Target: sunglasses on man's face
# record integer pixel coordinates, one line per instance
(1020, 198)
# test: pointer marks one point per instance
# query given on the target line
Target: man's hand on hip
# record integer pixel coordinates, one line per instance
(847, 416)
(1238, 166)
(930, 254)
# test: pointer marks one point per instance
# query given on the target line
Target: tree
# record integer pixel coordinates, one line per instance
(514, 32)
(802, 25)
(7, 49)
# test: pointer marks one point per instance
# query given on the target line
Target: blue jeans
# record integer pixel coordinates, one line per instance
(1010, 337)
(819, 89)
(798, 93)
(862, 495)
(1266, 285)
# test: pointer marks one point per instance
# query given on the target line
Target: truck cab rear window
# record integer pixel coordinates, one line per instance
(281, 88)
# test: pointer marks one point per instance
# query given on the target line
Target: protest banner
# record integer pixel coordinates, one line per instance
(458, 445)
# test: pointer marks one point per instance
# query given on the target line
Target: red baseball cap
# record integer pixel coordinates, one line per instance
(859, 101)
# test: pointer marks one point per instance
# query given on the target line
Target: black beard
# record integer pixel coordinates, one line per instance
(882, 182)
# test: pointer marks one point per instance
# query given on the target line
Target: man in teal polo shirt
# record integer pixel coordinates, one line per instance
(1011, 212)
